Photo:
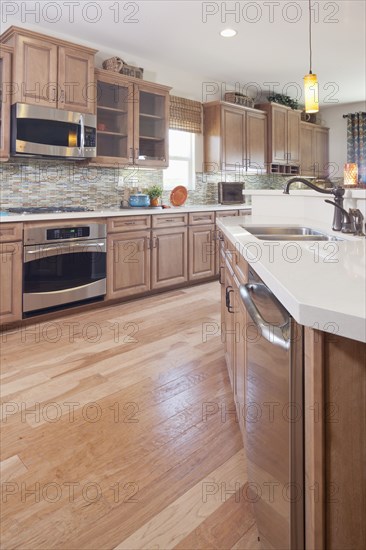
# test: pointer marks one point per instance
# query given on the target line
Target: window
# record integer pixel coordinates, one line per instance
(181, 169)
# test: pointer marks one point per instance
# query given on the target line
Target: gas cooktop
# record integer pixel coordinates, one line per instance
(47, 209)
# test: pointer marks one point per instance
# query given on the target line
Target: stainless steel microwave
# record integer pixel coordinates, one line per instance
(46, 131)
(231, 193)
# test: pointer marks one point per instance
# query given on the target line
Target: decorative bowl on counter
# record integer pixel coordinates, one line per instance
(139, 200)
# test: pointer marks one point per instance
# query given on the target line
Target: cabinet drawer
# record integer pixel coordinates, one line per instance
(201, 218)
(11, 232)
(226, 213)
(128, 223)
(169, 220)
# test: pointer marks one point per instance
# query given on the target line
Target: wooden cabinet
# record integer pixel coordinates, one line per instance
(201, 259)
(132, 121)
(151, 125)
(114, 118)
(235, 137)
(256, 138)
(335, 442)
(314, 156)
(128, 267)
(321, 156)
(51, 72)
(169, 257)
(234, 321)
(228, 321)
(5, 101)
(11, 254)
(201, 247)
(283, 138)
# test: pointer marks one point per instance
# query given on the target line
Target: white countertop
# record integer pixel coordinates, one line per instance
(119, 212)
(349, 193)
(321, 283)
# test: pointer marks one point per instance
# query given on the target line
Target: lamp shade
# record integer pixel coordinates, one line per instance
(311, 91)
(350, 173)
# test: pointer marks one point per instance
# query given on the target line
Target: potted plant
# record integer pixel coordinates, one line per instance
(154, 192)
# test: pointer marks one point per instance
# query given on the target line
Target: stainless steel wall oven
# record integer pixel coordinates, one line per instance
(63, 265)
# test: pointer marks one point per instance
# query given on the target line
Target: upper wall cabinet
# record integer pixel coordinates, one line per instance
(235, 137)
(51, 72)
(314, 150)
(132, 121)
(5, 79)
(283, 138)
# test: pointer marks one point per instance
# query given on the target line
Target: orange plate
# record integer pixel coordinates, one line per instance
(179, 195)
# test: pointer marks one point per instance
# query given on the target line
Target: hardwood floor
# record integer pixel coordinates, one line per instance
(118, 431)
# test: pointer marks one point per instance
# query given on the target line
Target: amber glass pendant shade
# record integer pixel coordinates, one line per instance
(311, 90)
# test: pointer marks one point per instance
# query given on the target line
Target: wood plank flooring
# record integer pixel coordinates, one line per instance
(113, 432)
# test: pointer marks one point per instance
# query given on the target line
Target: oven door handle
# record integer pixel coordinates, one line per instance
(40, 252)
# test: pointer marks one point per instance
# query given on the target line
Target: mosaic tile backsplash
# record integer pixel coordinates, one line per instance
(46, 183)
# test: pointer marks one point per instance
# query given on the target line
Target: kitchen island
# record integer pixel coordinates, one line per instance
(322, 286)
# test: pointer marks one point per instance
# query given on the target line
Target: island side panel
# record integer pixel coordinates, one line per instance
(345, 442)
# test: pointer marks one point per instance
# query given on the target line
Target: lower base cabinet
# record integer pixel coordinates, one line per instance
(128, 268)
(201, 252)
(169, 257)
(10, 282)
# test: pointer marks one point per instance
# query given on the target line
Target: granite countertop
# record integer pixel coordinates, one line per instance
(321, 283)
(108, 213)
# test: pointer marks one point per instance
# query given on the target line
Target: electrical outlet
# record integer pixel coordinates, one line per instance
(120, 181)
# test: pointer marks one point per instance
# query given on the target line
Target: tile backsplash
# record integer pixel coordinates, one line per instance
(28, 182)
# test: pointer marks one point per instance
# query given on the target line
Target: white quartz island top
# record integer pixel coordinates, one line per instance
(321, 283)
(108, 213)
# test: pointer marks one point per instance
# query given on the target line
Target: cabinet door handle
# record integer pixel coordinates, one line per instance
(229, 289)
(220, 271)
(130, 223)
(148, 243)
(131, 154)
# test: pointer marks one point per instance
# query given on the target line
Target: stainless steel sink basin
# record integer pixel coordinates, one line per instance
(288, 233)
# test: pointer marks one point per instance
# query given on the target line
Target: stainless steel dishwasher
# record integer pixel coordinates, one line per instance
(274, 417)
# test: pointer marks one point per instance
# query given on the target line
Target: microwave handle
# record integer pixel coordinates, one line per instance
(82, 132)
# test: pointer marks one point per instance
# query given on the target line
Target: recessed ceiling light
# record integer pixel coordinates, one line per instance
(228, 33)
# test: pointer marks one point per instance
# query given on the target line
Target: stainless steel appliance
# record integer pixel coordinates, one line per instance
(46, 131)
(231, 193)
(46, 209)
(274, 417)
(63, 265)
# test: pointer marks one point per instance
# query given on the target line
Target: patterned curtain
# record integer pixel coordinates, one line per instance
(356, 142)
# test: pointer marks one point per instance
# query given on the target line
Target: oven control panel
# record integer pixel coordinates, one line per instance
(60, 233)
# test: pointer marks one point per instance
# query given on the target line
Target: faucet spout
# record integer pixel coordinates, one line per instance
(338, 193)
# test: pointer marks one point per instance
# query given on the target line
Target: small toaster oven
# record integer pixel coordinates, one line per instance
(231, 193)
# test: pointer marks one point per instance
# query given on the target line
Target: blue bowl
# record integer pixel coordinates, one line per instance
(139, 200)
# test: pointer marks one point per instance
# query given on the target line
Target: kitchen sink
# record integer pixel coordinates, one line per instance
(288, 233)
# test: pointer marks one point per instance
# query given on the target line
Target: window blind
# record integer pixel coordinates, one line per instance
(185, 114)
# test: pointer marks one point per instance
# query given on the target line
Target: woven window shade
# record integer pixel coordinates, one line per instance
(185, 114)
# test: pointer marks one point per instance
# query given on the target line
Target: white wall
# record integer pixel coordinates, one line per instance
(333, 117)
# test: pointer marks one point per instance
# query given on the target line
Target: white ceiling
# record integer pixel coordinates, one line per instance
(173, 33)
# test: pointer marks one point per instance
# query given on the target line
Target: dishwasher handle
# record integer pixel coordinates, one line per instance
(277, 336)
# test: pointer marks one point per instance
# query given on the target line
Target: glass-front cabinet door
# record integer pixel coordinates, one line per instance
(151, 125)
(115, 105)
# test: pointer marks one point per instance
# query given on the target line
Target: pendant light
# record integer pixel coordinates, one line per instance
(310, 81)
